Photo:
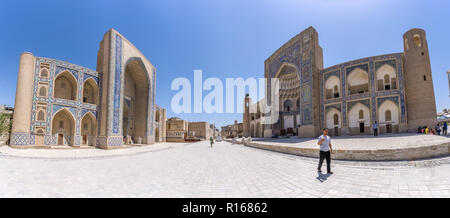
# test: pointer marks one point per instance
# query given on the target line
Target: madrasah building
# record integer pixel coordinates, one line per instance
(394, 90)
(59, 103)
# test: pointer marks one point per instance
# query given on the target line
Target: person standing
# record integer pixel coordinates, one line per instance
(211, 141)
(444, 128)
(375, 129)
(325, 151)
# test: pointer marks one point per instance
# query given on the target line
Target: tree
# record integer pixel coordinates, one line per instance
(5, 123)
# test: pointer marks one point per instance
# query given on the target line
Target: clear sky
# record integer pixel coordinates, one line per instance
(224, 38)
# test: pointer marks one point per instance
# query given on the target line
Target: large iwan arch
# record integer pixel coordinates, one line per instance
(63, 127)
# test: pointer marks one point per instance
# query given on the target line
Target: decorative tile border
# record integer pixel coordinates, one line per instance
(20, 138)
(117, 83)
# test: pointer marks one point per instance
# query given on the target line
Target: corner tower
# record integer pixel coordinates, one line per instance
(419, 91)
(20, 133)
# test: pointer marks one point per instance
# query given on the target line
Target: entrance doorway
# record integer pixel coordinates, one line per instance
(336, 131)
(84, 139)
(361, 127)
(60, 139)
(389, 128)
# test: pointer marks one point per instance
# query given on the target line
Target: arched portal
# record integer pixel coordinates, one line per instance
(63, 127)
(135, 102)
(88, 127)
(359, 119)
(332, 87)
(289, 91)
(333, 121)
(386, 78)
(358, 81)
(90, 91)
(388, 116)
(65, 86)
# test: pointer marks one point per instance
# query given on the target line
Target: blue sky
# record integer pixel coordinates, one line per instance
(224, 38)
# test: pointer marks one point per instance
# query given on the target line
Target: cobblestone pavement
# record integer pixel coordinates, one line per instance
(226, 170)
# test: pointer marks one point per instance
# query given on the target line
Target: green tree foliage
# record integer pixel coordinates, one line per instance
(5, 123)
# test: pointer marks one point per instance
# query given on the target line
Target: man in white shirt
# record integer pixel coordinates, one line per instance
(325, 150)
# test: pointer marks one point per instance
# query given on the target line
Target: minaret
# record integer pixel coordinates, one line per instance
(20, 133)
(419, 91)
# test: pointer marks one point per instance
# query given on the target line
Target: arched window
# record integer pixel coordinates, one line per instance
(44, 73)
(287, 105)
(406, 45)
(42, 92)
(336, 119)
(65, 86)
(387, 82)
(386, 78)
(361, 114)
(417, 41)
(387, 115)
(40, 132)
(41, 116)
(336, 91)
(90, 91)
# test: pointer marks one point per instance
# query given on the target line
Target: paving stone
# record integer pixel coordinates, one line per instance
(195, 170)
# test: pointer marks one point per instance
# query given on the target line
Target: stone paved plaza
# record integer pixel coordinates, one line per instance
(196, 170)
(364, 142)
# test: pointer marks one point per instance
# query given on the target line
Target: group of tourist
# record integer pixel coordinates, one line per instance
(439, 129)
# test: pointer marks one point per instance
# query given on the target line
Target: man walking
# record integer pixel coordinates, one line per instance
(375, 129)
(325, 150)
(211, 141)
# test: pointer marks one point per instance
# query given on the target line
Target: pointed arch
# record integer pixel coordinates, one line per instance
(44, 73)
(394, 113)
(43, 91)
(65, 86)
(90, 91)
(331, 118)
(354, 115)
(358, 81)
(88, 129)
(332, 87)
(137, 88)
(63, 127)
(386, 77)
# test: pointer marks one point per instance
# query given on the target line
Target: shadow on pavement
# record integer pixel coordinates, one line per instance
(322, 177)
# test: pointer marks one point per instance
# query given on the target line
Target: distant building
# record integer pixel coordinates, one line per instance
(201, 130)
(176, 129)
